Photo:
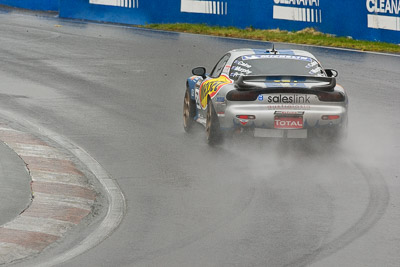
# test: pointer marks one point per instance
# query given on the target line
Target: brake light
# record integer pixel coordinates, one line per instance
(236, 95)
(330, 117)
(331, 96)
(246, 117)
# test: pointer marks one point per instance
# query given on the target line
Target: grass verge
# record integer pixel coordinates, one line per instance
(306, 36)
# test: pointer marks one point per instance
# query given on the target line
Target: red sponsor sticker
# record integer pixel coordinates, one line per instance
(243, 122)
(288, 122)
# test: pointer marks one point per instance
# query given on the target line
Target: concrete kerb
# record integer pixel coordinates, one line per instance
(73, 200)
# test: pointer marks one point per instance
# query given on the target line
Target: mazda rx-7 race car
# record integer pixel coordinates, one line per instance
(266, 93)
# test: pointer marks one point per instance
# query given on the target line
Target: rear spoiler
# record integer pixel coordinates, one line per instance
(261, 82)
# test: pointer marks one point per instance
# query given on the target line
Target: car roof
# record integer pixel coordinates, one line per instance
(248, 51)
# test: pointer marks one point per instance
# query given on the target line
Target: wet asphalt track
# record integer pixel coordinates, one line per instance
(117, 92)
(15, 190)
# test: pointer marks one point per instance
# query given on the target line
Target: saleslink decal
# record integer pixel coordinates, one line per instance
(291, 99)
(211, 88)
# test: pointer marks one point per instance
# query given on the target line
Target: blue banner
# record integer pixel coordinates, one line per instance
(377, 20)
(44, 5)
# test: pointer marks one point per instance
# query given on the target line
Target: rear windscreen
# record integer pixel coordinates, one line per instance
(275, 65)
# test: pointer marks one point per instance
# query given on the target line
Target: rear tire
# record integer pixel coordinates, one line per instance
(213, 131)
(189, 111)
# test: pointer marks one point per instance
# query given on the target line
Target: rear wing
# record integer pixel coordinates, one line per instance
(285, 81)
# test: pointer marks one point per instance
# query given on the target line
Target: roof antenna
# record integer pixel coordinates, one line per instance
(273, 49)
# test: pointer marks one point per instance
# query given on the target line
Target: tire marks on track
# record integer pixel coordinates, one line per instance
(378, 201)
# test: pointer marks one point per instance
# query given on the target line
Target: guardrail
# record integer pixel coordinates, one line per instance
(360, 19)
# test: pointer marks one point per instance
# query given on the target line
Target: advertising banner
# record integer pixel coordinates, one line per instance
(358, 19)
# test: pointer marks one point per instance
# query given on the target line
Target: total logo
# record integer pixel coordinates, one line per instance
(288, 123)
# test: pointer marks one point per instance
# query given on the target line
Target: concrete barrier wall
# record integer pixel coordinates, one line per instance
(361, 19)
(45, 5)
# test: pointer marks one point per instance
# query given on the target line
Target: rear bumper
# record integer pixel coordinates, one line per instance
(264, 118)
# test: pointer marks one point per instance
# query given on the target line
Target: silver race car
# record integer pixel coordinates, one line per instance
(266, 93)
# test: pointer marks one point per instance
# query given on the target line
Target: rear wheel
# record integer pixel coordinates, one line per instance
(189, 111)
(213, 131)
